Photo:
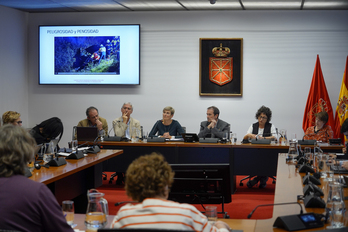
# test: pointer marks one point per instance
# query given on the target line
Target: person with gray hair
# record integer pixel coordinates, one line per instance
(126, 126)
(26, 205)
(214, 127)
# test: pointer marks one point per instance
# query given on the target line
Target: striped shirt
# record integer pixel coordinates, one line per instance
(162, 214)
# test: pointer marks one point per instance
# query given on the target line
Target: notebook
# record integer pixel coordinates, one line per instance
(86, 133)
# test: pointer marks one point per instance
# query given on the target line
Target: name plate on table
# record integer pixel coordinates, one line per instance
(113, 138)
(208, 140)
(156, 139)
(307, 142)
(260, 141)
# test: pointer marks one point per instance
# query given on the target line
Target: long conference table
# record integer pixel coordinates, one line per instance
(288, 186)
(72, 180)
(244, 159)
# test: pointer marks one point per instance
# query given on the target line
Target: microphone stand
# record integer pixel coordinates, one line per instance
(286, 203)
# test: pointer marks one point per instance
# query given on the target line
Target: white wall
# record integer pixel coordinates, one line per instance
(13, 62)
(280, 49)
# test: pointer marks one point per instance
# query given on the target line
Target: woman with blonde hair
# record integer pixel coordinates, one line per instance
(12, 117)
(167, 127)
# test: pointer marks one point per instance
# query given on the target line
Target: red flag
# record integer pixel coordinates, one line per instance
(318, 100)
(342, 105)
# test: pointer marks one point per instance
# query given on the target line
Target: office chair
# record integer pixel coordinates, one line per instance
(251, 176)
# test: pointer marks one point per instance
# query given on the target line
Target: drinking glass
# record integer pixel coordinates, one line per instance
(31, 166)
(211, 214)
(145, 137)
(308, 155)
(337, 215)
(74, 145)
(49, 152)
(68, 211)
(234, 137)
(136, 136)
(294, 137)
(324, 168)
(283, 138)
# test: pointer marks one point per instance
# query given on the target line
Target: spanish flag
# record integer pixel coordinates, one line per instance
(342, 106)
(318, 99)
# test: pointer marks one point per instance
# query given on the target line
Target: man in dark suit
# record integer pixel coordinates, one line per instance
(214, 127)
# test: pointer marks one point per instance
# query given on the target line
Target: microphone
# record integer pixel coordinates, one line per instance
(94, 149)
(110, 131)
(113, 138)
(277, 134)
(307, 141)
(286, 203)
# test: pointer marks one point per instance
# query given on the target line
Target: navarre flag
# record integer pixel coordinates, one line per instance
(342, 105)
(318, 99)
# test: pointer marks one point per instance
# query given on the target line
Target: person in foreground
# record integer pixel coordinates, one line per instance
(12, 117)
(26, 205)
(125, 126)
(262, 129)
(149, 179)
(214, 127)
(320, 131)
(93, 120)
(167, 127)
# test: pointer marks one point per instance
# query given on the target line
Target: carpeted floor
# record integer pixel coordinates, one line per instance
(243, 201)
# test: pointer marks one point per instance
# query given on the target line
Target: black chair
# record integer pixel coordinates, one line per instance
(250, 176)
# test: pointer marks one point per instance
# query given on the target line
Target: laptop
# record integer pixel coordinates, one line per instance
(86, 133)
(190, 137)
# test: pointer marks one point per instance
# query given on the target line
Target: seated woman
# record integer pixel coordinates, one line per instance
(26, 205)
(262, 129)
(47, 130)
(148, 182)
(167, 127)
(320, 132)
(12, 117)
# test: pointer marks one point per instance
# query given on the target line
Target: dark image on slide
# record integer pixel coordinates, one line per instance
(87, 55)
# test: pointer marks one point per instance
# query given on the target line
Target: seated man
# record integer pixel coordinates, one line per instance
(93, 120)
(126, 126)
(214, 127)
(148, 182)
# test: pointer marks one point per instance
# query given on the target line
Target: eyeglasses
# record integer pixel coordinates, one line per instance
(19, 122)
(262, 118)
